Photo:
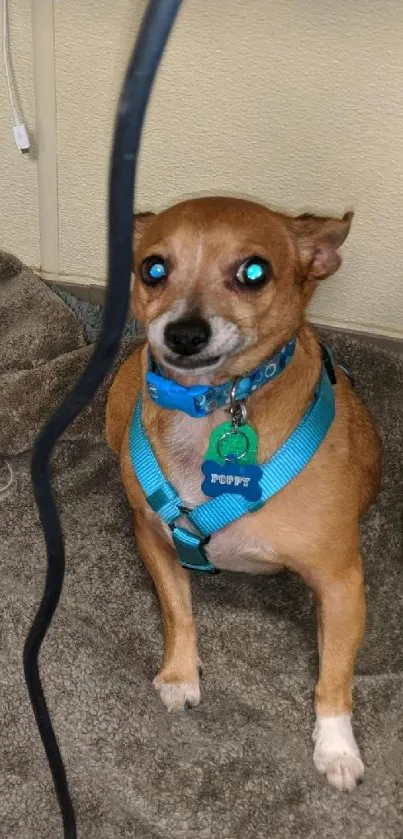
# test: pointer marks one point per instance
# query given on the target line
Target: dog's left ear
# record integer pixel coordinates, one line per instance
(318, 241)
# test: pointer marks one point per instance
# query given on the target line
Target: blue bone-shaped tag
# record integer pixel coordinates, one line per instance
(231, 478)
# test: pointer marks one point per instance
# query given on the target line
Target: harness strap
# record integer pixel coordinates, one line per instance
(213, 515)
(162, 497)
(160, 494)
(190, 550)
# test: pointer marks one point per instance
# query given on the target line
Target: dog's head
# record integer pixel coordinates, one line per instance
(221, 283)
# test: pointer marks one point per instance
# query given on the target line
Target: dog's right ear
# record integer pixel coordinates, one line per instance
(140, 224)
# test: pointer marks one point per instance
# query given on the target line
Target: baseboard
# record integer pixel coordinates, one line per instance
(388, 342)
(95, 293)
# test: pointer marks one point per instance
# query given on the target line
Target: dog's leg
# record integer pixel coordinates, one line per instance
(342, 620)
(319, 630)
(178, 680)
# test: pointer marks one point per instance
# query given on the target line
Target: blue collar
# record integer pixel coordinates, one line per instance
(200, 400)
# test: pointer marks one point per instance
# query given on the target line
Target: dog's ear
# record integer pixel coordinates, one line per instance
(140, 223)
(318, 241)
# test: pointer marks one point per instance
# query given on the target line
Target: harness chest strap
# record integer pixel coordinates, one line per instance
(213, 515)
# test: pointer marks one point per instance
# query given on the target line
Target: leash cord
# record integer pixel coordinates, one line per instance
(154, 32)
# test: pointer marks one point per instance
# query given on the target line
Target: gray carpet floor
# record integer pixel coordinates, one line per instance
(239, 765)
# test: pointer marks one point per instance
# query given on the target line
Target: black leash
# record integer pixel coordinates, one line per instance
(154, 32)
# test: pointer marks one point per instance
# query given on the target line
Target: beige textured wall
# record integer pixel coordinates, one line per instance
(19, 231)
(297, 103)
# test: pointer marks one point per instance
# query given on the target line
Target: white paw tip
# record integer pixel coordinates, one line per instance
(343, 771)
(178, 696)
(336, 753)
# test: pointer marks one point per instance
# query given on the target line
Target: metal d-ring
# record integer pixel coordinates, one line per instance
(237, 407)
(236, 456)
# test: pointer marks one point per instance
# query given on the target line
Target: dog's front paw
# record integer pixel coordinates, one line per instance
(178, 696)
(336, 753)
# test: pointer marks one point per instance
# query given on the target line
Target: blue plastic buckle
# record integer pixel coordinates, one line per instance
(190, 550)
(169, 394)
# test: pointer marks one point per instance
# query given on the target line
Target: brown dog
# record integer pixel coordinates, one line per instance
(207, 323)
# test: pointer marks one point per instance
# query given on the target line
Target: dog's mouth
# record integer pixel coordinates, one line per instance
(194, 363)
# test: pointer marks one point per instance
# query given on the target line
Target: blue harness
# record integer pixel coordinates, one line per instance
(284, 465)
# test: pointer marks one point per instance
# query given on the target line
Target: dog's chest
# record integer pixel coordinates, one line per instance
(187, 441)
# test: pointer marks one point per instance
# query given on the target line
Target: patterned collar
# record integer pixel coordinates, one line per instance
(200, 400)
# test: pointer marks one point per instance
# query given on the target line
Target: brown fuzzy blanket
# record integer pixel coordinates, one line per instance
(240, 765)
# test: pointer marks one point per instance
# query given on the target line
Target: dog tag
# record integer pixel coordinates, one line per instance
(230, 463)
(228, 443)
(231, 478)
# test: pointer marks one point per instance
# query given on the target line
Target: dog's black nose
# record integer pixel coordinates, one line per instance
(187, 336)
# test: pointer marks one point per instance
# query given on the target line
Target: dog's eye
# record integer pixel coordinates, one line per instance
(253, 272)
(153, 270)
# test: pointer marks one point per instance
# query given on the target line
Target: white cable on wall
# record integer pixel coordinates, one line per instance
(44, 62)
(19, 129)
(6, 53)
